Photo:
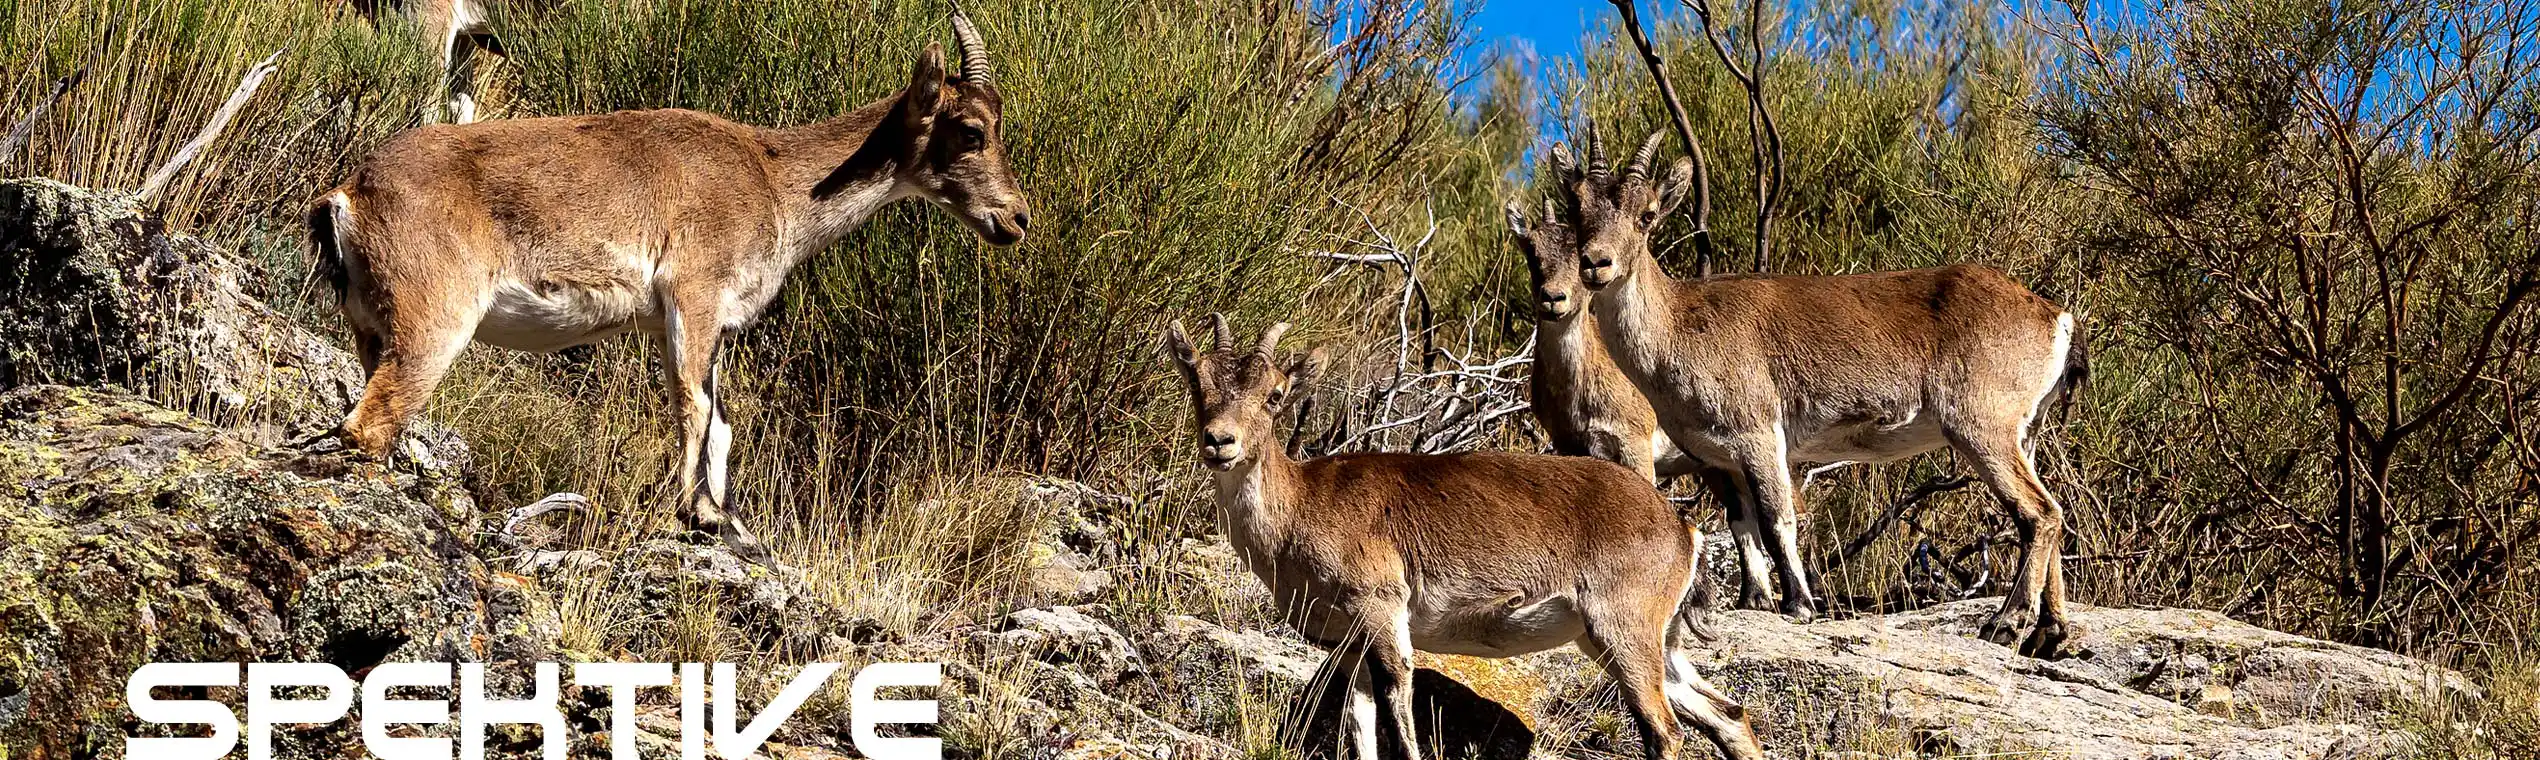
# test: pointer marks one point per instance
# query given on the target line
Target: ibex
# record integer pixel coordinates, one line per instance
(1757, 374)
(542, 234)
(1494, 554)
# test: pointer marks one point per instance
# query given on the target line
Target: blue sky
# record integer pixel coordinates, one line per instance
(1552, 27)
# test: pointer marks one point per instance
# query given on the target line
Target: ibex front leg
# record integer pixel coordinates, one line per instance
(696, 342)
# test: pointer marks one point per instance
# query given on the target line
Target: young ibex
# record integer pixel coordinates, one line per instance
(1757, 374)
(542, 234)
(1584, 403)
(1485, 554)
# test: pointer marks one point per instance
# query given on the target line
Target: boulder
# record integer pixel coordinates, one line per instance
(1065, 636)
(131, 533)
(2140, 684)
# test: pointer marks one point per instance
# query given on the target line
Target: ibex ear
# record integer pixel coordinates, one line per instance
(1671, 190)
(926, 84)
(1305, 368)
(1177, 346)
(1517, 222)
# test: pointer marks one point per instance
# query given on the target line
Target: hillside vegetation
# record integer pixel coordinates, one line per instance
(2300, 233)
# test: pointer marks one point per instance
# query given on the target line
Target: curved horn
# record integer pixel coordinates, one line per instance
(1597, 166)
(1648, 151)
(974, 52)
(1225, 333)
(1270, 339)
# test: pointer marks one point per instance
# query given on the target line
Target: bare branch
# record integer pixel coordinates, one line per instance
(220, 121)
(1702, 246)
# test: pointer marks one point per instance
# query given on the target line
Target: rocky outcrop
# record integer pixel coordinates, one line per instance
(2141, 684)
(130, 533)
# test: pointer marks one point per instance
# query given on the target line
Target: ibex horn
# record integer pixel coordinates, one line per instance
(1597, 166)
(1225, 333)
(974, 53)
(1640, 161)
(1270, 339)
(1563, 165)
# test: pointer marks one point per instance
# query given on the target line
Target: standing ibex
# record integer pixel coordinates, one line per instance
(541, 234)
(1486, 554)
(1756, 374)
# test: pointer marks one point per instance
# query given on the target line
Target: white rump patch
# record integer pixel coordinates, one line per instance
(2054, 372)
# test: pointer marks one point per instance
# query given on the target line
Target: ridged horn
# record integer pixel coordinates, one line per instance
(1597, 165)
(974, 52)
(1225, 333)
(1270, 338)
(1640, 161)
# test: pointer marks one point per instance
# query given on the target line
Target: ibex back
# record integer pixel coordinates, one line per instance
(542, 234)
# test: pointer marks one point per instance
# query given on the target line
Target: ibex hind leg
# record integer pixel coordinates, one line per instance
(406, 365)
(1630, 643)
(2034, 604)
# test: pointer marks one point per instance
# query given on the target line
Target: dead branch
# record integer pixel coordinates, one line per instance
(1434, 399)
(1935, 486)
(1763, 133)
(1702, 246)
(220, 121)
(24, 132)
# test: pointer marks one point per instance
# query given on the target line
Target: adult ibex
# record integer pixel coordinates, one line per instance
(541, 234)
(1757, 374)
(1488, 554)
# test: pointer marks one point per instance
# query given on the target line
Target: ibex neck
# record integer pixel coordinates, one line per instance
(1632, 311)
(1255, 507)
(1561, 351)
(834, 174)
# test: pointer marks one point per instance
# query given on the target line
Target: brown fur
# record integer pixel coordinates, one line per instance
(1758, 374)
(541, 234)
(1488, 554)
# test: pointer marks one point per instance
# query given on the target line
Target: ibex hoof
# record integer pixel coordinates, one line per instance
(1753, 599)
(1799, 610)
(2005, 626)
(2046, 642)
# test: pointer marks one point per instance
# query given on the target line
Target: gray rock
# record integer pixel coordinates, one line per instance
(131, 533)
(1066, 636)
(2134, 689)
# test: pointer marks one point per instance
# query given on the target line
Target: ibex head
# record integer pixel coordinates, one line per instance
(1616, 212)
(1552, 260)
(1238, 390)
(955, 151)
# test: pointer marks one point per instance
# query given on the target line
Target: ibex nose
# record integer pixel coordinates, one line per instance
(1551, 297)
(1214, 438)
(1022, 220)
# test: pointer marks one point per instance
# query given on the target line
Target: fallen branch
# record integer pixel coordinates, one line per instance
(1929, 488)
(220, 121)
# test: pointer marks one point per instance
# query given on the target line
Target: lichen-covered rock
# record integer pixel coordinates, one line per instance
(2142, 684)
(131, 533)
